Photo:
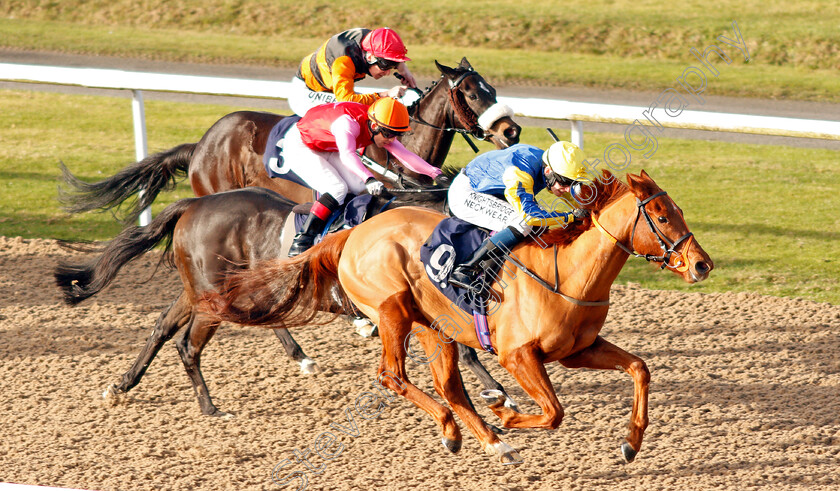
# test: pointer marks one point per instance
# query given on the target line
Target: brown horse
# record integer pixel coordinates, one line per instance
(378, 266)
(205, 239)
(229, 156)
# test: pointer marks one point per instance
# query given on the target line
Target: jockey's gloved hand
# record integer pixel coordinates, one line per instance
(374, 187)
(580, 213)
(443, 181)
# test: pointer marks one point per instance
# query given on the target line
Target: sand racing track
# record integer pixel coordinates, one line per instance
(745, 394)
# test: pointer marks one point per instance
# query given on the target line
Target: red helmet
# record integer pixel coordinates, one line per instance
(384, 43)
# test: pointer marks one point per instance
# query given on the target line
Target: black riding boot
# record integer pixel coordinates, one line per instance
(313, 225)
(465, 274)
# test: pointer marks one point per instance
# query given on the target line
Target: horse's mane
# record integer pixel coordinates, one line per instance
(604, 195)
(415, 105)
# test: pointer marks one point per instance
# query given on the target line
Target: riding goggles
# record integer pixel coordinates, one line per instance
(385, 132)
(385, 65)
(554, 177)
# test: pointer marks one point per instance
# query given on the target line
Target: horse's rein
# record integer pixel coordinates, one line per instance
(453, 87)
(556, 288)
(668, 247)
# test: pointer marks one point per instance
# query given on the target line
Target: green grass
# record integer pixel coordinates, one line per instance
(794, 46)
(768, 215)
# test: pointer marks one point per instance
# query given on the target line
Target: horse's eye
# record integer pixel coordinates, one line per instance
(473, 97)
(663, 219)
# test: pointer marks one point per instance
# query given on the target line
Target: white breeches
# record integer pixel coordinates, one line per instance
(302, 98)
(482, 209)
(322, 171)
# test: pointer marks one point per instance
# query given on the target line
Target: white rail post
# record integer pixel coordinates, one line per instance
(577, 133)
(140, 145)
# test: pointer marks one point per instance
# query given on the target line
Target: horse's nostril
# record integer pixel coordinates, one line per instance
(702, 267)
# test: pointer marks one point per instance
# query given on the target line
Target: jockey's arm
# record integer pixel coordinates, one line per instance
(519, 192)
(412, 160)
(407, 76)
(344, 86)
(345, 130)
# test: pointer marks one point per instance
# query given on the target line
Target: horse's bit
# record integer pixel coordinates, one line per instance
(476, 131)
(668, 247)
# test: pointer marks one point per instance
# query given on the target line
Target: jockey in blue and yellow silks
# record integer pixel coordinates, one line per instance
(329, 74)
(498, 189)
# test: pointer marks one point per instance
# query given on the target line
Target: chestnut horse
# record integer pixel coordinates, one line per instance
(205, 238)
(230, 155)
(378, 266)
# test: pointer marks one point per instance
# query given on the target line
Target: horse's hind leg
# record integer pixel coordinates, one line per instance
(449, 385)
(470, 359)
(295, 352)
(170, 320)
(190, 346)
(395, 320)
(603, 355)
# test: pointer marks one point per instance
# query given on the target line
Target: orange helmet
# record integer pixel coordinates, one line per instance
(390, 114)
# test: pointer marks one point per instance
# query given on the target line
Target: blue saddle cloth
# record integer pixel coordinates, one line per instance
(273, 155)
(451, 243)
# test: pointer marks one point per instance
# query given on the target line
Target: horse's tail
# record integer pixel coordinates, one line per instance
(152, 175)
(290, 292)
(81, 281)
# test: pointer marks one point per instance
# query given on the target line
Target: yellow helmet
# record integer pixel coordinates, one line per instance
(565, 159)
(390, 114)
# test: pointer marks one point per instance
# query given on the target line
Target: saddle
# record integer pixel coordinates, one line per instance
(450, 244)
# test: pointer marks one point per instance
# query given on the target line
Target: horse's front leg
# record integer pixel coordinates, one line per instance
(528, 369)
(604, 355)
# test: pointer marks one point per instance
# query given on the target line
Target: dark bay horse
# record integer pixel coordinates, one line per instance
(205, 239)
(377, 265)
(229, 156)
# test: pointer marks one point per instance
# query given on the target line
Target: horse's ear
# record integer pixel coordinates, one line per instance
(633, 180)
(643, 181)
(445, 69)
(465, 64)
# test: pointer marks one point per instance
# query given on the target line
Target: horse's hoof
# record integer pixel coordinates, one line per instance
(511, 404)
(451, 445)
(113, 395)
(309, 367)
(507, 454)
(493, 397)
(628, 452)
(222, 415)
(365, 328)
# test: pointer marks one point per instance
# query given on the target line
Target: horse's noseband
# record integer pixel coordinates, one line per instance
(668, 247)
(462, 111)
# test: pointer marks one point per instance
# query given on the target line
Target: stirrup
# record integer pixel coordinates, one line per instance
(464, 278)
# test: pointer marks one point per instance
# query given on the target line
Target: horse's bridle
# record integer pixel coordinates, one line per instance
(475, 130)
(668, 247)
